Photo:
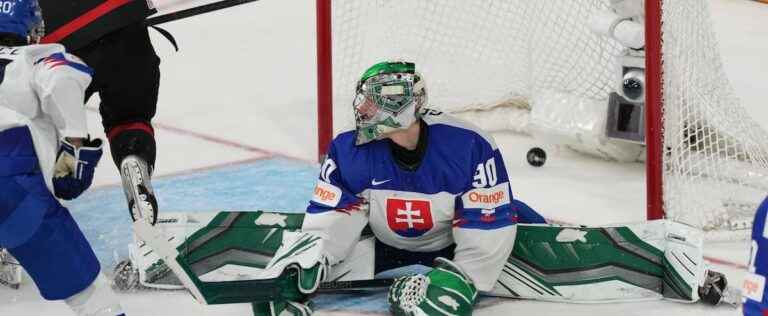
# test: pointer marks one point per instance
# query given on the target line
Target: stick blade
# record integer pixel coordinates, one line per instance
(156, 240)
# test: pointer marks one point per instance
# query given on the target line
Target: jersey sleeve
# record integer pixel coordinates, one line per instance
(335, 213)
(484, 221)
(754, 287)
(60, 80)
(526, 214)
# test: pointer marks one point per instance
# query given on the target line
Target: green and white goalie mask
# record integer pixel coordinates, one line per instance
(388, 98)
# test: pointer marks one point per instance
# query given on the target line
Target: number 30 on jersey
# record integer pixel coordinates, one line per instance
(485, 174)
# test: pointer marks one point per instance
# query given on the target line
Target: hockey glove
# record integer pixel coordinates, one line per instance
(74, 168)
(446, 290)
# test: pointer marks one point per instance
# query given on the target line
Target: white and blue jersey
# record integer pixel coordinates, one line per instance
(754, 286)
(41, 101)
(43, 88)
(459, 194)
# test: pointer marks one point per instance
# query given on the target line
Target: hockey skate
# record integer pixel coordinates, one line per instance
(716, 290)
(10, 270)
(142, 203)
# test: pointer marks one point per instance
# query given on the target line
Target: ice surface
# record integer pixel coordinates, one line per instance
(271, 184)
(245, 79)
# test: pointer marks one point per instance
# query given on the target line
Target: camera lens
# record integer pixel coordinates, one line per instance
(633, 85)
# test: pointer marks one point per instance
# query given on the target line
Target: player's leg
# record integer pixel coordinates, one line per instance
(127, 78)
(754, 286)
(649, 260)
(62, 264)
(17, 157)
(41, 234)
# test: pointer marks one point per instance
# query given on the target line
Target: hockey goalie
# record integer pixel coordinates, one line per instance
(409, 186)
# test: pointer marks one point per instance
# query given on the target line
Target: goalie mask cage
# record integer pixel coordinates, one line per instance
(707, 160)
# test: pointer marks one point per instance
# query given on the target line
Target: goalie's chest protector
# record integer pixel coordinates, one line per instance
(412, 210)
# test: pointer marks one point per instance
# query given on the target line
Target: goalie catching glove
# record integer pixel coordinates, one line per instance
(446, 290)
(74, 169)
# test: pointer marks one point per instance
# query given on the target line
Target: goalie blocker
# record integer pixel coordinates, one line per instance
(230, 257)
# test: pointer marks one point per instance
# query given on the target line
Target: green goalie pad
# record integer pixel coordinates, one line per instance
(223, 254)
(648, 260)
(222, 258)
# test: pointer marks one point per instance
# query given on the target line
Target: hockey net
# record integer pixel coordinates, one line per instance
(524, 66)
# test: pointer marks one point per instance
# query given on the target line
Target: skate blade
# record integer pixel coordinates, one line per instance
(10, 271)
(141, 202)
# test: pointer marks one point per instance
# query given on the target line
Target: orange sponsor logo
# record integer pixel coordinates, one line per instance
(750, 287)
(324, 195)
(491, 198)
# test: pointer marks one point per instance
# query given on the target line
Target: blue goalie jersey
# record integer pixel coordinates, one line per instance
(754, 287)
(459, 194)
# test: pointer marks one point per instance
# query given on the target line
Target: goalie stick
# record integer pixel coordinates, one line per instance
(178, 15)
(338, 286)
(155, 239)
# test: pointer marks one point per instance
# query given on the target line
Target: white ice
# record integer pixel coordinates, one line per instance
(246, 77)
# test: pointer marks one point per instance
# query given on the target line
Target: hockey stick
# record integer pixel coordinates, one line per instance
(337, 286)
(206, 8)
(157, 240)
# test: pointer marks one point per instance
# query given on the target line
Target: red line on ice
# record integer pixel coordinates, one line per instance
(191, 170)
(219, 140)
(262, 153)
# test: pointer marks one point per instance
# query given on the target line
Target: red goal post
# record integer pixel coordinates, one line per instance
(653, 110)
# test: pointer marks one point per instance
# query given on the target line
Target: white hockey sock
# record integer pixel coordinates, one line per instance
(98, 299)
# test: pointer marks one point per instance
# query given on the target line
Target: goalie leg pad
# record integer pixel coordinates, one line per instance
(684, 267)
(635, 262)
(227, 257)
(58, 257)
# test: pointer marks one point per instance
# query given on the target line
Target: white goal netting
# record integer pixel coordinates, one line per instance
(716, 156)
(498, 61)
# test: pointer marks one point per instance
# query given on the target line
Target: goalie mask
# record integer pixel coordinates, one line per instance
(23, 19)
(388, 98)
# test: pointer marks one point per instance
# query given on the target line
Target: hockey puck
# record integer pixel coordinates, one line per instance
(536, 157)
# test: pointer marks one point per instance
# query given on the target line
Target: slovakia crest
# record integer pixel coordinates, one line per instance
(409, 218)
